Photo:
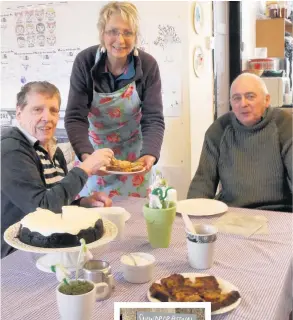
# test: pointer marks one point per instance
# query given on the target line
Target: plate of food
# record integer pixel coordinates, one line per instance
(196, 287)
(123, 167)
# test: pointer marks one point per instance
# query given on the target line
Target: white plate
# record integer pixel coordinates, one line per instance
(120, 172)
(224, 285)
(10, 236)
(201, 207)
(108, 210)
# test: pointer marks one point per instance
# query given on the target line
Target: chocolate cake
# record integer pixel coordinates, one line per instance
(46, 229)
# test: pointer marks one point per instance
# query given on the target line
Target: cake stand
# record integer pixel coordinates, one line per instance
(65, 256)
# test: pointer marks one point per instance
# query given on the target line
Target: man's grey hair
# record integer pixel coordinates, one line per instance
(252, 76)
(42, 87)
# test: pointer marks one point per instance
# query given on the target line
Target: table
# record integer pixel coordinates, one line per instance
(259, 266)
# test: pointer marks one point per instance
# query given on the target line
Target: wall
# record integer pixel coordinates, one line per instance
(200, 89)
(221, 57)
(184, 133)
(248, 14)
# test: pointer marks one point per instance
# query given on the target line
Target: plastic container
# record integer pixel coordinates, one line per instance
(284, 12)
(284, 9)
(262, 64)
(274, 11)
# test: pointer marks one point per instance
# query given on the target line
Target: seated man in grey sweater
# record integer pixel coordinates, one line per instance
(33, 168)
(249, 151)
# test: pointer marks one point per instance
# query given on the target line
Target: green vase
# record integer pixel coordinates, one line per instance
(159, 224)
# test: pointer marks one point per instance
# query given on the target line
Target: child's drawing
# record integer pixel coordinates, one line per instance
(167, 35)
(39, 14)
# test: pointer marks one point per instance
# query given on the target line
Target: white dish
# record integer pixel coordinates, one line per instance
(10, 236)
(121, 173)
(201, 207)
(108, 210)
(138, 267)
(224, 285)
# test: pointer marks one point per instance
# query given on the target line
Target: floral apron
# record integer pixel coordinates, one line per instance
(114, 122)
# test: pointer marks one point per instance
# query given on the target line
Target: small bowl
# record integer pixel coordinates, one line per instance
(141, 272)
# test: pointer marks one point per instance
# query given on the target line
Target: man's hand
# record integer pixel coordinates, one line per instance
(96, 199)
(148, 161)
(96, 160)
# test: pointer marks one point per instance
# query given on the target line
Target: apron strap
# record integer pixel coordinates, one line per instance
(98, 55)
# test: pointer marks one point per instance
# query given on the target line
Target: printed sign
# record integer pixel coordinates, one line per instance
(141, 315)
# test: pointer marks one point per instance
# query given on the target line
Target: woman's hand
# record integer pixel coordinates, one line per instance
(148, 161)
(96, 160)
(96, 199)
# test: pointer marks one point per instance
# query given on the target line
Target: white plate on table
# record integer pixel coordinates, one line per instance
(224, 285)
(201, 207)
(106, 211)
(103, 169)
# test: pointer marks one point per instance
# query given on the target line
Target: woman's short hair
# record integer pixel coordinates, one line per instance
(128, 12)
(42, 87)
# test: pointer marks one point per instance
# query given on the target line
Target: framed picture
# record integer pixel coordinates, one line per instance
(198, 61)
(197, 18)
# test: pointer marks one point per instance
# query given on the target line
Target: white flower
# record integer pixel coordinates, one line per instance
(155, 202)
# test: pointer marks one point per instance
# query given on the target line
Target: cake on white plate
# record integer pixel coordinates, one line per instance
(46, 229)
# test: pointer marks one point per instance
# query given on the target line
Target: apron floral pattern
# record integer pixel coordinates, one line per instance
(114, 122)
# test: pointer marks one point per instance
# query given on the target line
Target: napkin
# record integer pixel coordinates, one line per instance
(242, 224)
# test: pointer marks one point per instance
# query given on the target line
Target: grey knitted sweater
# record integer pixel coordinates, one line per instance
(253, 164)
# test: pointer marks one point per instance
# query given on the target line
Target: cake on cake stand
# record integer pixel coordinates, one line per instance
(65, 256)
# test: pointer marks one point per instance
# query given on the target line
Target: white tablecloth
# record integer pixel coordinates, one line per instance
(259, 266)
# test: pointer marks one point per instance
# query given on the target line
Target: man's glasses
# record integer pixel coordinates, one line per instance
(114, 33)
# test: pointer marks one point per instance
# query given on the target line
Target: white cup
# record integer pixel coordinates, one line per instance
(80, 307)
(118, 219)
(115, 215)
(201, 246)
(138, 268)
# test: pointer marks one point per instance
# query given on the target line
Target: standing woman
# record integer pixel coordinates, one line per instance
(115, 102)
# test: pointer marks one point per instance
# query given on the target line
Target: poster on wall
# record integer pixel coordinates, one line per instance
(35, 26)
(7, 31)
(30, 51)
(45, 47)
(9, 82)
(65, 57)
(163, 42)
(167, 47)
